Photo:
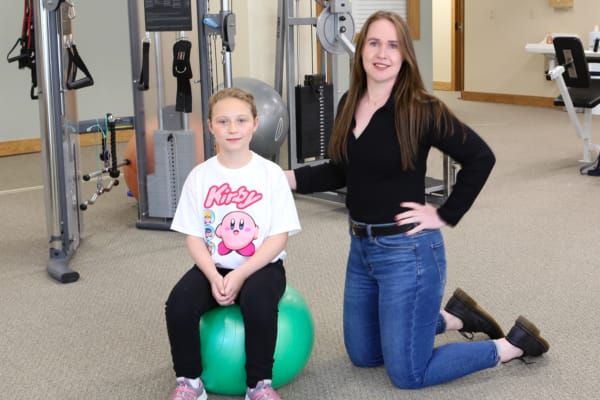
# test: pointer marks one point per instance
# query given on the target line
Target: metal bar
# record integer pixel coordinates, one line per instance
(160, 90)
(135, 40)
(205, 78)
(62, 242)
(279, 47)
(302, 21)
(291, 82)
(47, 87)
(587, 135)
(91, 125)
(348, 45)
(227, 66)
(449, 171)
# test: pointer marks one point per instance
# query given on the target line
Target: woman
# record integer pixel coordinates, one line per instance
(396, 272)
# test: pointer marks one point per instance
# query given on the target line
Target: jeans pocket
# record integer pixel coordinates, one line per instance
(439, 255)
(395, 242)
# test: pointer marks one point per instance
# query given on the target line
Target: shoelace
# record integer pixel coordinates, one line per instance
(522, 359)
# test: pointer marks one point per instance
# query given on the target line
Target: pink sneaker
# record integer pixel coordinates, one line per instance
(185, 391)
(262, 391)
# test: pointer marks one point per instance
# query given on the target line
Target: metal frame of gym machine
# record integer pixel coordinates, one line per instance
(59, 128)
(335, 31)
(334, 24)
(208, 24)
(60, 140)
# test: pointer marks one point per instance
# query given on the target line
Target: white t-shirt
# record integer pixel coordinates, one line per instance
(234, 210)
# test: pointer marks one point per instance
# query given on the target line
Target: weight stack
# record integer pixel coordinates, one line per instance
(314, 118)
(174, 158)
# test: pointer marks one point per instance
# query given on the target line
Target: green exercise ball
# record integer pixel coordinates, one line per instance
(222, 345)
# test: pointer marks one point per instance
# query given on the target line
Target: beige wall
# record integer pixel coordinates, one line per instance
(442, 40)
(254, 54)
(495, 36)
(101, 34)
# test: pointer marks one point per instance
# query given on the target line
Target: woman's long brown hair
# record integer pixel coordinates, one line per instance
(415, 110)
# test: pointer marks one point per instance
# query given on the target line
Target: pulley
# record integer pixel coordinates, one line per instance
(335, 31)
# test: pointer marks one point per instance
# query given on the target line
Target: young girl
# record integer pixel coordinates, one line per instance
(237, 211)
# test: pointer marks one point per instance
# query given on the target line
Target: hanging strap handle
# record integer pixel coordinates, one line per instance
(144, 81)
(34, 82)
(114, 171)
(17, 57)
(26, 56)
(75, 63)
(182, 70)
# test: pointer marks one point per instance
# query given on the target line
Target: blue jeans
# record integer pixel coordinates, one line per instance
(392, 298)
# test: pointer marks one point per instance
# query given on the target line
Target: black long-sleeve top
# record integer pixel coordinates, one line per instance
(377, 184)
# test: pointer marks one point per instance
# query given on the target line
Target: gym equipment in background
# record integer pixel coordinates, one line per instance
(109, 160)
(26, 56)
(273, 120)
(59, 134)
(155, 205)
(222, 345)
(166, 143)
(313, 99)
(57, 61)
(577, 89)
(171, 121)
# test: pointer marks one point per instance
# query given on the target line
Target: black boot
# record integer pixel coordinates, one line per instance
(473, 317)
(526, 336)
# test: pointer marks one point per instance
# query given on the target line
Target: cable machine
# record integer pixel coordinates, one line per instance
(58, 64)
(60, 142)
(156, 205)
(159, 188)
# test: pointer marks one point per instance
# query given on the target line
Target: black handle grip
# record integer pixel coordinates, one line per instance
(80, 83)
(17, 58)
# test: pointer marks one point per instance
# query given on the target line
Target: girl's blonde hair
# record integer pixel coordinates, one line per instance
(232, 93)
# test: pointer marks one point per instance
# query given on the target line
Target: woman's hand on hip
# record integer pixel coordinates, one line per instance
(424, 216)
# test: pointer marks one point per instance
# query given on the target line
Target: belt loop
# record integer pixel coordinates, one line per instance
(369, 234)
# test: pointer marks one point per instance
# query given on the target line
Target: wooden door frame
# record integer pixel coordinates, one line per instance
(458, 45)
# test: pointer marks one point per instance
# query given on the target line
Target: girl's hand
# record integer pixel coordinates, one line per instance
(233, 282)
(424, 216)
(217, 286)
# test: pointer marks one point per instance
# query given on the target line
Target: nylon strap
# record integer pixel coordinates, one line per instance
(182, 70)
(144, 81)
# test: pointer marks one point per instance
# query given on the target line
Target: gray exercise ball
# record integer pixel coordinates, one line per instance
(273, 117)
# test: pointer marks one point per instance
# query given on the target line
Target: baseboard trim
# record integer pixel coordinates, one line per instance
(516, 99)
(26, 146)
(438, 85)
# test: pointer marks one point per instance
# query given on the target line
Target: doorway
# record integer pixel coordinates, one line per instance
(448, 45)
